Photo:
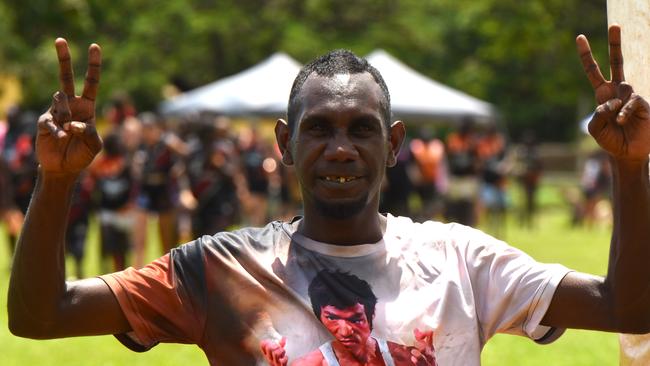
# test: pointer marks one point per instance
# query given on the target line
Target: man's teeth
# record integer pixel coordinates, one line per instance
(339, 179)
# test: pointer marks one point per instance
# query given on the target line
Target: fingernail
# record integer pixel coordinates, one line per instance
(613, 104)
(610, 104)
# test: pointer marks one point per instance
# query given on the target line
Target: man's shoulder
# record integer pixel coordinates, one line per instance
(243, 238)
(405, 228)
(404, 234)
(313, 358)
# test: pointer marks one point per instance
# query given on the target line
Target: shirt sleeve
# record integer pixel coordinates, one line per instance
(512, 291)
(164, 301)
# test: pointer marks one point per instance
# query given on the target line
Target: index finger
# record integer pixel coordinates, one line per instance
(615, 54)
(91, 84)
(589, 64)
(66, 75)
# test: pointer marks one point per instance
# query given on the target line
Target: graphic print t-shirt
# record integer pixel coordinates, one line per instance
(229, 292)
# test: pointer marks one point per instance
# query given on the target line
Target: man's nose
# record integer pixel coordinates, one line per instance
(344, 328)
(340, 148)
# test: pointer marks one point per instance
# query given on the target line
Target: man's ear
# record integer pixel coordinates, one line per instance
(283, 138)
(395, 140)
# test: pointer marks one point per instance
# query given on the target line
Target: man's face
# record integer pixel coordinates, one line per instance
(151, 134)
(340, 144)
(349, 326)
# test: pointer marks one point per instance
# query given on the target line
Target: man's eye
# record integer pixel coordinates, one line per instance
(318, 128)
(363, 129)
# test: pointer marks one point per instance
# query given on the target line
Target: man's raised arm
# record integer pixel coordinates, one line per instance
(621, 125)
(41, 304)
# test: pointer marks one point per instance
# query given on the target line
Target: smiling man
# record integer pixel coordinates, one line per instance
(243, 296)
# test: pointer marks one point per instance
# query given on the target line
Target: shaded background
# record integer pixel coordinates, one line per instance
(520, 56)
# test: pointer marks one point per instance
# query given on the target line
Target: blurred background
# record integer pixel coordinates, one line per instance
(492, 93)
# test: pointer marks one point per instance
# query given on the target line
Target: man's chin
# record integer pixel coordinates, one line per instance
(341, 210)
(353, 348)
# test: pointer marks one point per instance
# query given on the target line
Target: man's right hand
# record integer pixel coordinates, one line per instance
(66, 143)
(67, 140)
(274, 352)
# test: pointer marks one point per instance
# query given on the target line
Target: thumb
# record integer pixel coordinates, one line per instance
(604, 113)
(636, 106)
(283, 342)
(60, 108)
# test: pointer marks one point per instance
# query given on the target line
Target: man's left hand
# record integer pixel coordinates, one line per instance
(621, 123)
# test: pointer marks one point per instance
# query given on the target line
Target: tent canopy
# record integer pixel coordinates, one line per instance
(262, 89)
(417, 97)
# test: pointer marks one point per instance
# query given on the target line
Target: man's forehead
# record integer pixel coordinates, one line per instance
(359, 90)
(341, 81)
(353, 309)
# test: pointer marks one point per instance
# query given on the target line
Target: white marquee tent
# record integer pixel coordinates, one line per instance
(262, 89)
(417, 97)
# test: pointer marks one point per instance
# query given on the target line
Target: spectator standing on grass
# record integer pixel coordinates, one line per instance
(252, 154)
(234, 291)
(159, 169)
(529, 174)
(78, 220)
(115, 195)
(398, 186)
(428, 155)
(216, 190)
(462, 162)
(6, 202)
(20, 164)
(491, 154)
(596, 184)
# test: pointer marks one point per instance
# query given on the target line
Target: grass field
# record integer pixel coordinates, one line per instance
(583, 249)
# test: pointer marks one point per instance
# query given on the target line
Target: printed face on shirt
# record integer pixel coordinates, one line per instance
(349, 326)
(340, 144)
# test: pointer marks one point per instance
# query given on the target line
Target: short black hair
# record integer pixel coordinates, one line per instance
(113, 145)
(341, 290)
(334, 63)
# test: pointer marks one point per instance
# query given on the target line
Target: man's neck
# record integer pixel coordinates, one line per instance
(369, 356)
(360, 229)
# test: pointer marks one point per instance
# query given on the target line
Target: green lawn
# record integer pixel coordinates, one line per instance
(552, 241)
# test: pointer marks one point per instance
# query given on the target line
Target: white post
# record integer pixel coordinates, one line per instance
(634, 18)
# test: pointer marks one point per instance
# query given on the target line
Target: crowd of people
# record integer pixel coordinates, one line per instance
(196, 180)
(200, 176)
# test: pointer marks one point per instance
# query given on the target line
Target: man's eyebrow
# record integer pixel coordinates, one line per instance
(329, 313)
(314, 118)
(367, 118)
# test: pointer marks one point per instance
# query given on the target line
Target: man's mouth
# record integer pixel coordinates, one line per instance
(348, 342)
(340, 179)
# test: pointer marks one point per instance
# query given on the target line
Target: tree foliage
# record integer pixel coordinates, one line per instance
(520, 56)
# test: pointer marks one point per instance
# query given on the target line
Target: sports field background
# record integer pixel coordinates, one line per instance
(553, 240)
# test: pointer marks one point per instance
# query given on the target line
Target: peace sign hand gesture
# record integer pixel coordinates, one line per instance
(621, 123)
(67, 140)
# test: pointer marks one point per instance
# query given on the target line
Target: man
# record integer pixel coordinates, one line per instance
(347, 313)
(229, 292)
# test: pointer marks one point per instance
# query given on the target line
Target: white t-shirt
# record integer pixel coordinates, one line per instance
(237, 289)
